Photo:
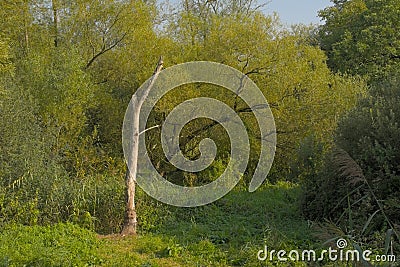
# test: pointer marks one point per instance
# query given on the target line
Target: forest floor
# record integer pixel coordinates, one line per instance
(229, 232)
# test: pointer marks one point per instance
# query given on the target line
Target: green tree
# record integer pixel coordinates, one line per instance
(79, 62)
(362, 37)
(5, 59)
(16, 23)
(304, 95)
(63, 93)
(28, 167)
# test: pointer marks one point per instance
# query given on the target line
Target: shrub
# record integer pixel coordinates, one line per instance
(358, 186)
(34, 186)
(309, 159)
(371, 136)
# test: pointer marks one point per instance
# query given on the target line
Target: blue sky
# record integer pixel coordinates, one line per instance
(292, 11)
(296, 11)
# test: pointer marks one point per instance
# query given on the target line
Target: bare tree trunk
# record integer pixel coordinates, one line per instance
(130, 223)
(25, 13)
(55, 21)
(130, 176)
(130, 212)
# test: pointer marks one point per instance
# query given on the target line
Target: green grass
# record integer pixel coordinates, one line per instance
(238, 225)
(228, 232)
(57, 245)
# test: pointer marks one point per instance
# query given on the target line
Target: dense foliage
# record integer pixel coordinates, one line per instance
(69, 68)
(356, 184)
(362, 37)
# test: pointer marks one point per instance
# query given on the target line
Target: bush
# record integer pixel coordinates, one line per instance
(358, 186)
(309, 159)
(371, 136)
(28, 169)
(34, 186)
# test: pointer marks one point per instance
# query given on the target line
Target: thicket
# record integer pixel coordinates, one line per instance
(356, 184)
(69, 70)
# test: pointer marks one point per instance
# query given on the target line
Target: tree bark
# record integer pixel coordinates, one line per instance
(130, 223)
(55, 22)
(25, 14)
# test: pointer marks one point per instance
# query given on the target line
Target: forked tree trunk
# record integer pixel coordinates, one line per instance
(130, 223)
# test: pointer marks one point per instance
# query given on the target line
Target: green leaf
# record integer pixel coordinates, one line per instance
(369, 221)
(388, 238)
(359, 249)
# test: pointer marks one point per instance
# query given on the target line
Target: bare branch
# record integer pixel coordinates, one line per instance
(148, 129)
(105, 49)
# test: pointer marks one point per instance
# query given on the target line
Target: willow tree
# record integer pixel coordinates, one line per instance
(303, 94)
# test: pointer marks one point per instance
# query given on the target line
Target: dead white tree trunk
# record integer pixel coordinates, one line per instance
(55, 21)
(130, 223)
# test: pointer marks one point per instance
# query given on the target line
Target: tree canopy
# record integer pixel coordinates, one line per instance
(362, 37)
(79, 62)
